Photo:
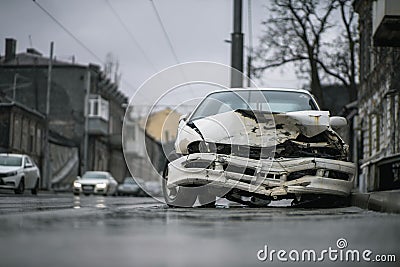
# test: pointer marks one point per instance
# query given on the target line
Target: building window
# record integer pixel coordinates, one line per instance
(25, 135)
(32, 130)
(98, 107)
(378, 133)
(38, 141)
(17, 132)
(370, 136)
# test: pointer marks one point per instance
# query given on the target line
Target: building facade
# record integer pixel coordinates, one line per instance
(378, 131)
(141, 150)
(21, 130)
(86, 111)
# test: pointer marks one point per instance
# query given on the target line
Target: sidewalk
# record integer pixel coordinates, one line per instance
(383, 201)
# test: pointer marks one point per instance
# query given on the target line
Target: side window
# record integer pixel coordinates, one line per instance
(27, 161)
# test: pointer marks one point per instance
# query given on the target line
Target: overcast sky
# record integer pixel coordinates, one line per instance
(197, 30)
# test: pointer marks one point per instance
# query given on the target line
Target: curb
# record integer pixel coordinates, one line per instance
(383, 201)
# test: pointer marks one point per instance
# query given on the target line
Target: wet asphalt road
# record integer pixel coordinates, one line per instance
(63, 230)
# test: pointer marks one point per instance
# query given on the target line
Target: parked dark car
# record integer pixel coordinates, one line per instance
(129, 187)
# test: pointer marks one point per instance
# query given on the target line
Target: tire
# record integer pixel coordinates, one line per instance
(35, 189)
(321, 201)
(21, 187)
(178, 196)
(206, 200)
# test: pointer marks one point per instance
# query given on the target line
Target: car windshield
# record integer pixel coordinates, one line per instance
(129, 180)
(94, 175)
(279, 102)
(10, 161)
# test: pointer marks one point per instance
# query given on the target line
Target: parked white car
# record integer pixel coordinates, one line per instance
(95, 182)
(19, 172)
(253, 146)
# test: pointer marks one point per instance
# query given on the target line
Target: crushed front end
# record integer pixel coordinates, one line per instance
(297, 154)
(266, 178)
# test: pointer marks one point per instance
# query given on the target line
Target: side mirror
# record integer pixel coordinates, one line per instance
(183, 117)
(337, 122)
(28, 165)
(78, 177)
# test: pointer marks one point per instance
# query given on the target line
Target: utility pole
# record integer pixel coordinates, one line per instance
(237, 46)
(86, 111)
(49, 73)
(46, 165)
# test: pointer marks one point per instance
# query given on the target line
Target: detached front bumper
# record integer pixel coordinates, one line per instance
(270, 177)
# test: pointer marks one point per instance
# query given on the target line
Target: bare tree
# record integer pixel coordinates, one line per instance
(295, 33)
(111, 68)
(340, 59)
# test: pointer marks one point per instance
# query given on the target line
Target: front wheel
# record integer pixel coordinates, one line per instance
(177, 196)
(35, 189)
(21, 187)
(206, 199)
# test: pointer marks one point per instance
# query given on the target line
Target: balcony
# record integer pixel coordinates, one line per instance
(98, 114)
(97, 126)
(386, 22)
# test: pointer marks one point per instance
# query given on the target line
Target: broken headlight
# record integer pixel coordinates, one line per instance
(202, 147)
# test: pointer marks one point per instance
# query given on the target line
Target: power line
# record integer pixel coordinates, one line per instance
(94, 54)
(165, 32)
(169, 42)
(68, 31)
(131, 35)
(77, 39)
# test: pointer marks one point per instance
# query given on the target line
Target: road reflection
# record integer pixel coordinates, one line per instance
(89, 201)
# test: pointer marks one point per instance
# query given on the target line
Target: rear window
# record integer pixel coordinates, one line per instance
(129, 180)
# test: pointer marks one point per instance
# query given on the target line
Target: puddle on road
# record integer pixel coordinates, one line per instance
(79, 202)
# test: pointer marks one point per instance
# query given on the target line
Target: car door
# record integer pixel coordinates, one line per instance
(29, 173)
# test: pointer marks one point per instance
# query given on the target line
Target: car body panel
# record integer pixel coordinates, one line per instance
(270, 181)
(129, 187)
(288, 153)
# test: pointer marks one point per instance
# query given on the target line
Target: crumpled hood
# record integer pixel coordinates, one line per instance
(243, 127)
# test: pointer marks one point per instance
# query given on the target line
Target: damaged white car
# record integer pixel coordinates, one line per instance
(254, 146)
